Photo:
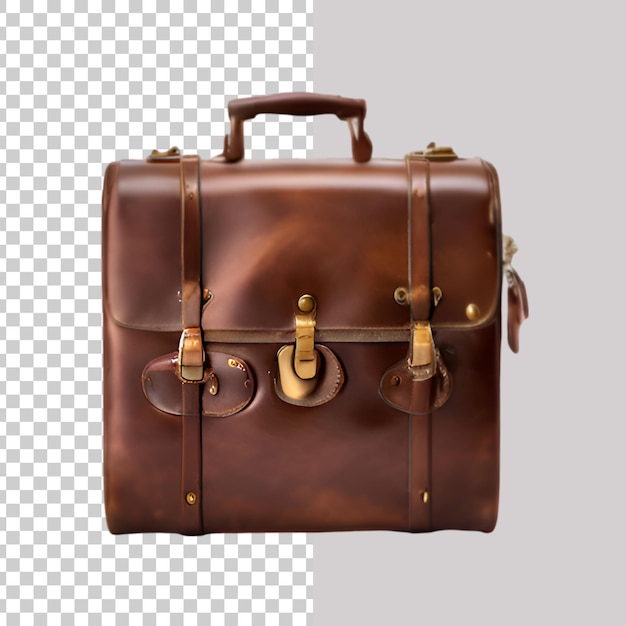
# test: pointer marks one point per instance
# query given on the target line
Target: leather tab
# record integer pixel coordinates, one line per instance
(517, 307)
(233, 383)
(400, 389)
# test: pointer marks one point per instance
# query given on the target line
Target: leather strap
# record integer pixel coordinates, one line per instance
(420, 296)
(191, 298)
(418, 171)
(191, 295)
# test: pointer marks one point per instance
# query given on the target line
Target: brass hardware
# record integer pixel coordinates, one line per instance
(292, 385)
(213, 384)
(206, 295)
(425, 495)
(190, 365)
(191, 497)
(155, 155)
(305, 359)
(472, 311)
(401, 295)
(306, 303)
(437, 295)
(510, 248)
(436, 153)
(299, 363)
(236, 363)
(422, 356)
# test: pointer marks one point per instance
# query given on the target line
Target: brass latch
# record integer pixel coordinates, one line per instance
(298, 364)
(308, 375)
(190, 365)
(305, 358)
(422, 355)
(436, 153)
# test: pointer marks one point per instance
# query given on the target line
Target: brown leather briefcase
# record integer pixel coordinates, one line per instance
(303, 345)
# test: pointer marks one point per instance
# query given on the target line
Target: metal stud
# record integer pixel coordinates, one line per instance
(191, 497)
(306, 303)
(472, 311)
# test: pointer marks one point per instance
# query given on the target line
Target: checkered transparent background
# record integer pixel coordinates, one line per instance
(83, 84)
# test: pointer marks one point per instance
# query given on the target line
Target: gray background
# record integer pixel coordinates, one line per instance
(538, 89)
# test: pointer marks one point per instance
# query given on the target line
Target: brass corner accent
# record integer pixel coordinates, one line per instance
(433, 152)
(172, 153)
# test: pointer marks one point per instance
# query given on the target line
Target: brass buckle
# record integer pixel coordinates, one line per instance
(191, 357)
(422, 356)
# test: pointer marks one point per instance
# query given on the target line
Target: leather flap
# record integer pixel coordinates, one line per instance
(274, 230)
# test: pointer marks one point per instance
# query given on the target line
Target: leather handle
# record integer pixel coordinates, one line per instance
(302, 103)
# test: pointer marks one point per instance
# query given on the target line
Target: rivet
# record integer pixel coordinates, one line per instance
(206, 294)
(213, 384)
(306, 303)
(191, 497)
(191, 196)
(425, 496)
(395, 381)
(472, 311)
(401, 295)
